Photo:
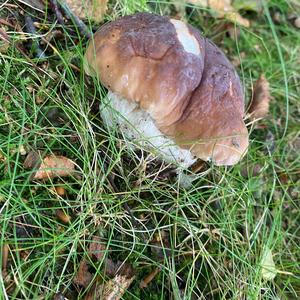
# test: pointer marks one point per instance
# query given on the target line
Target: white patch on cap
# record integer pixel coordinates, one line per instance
(188, 41)
(137, 126)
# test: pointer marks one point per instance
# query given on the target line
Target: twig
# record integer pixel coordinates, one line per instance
(57, 11)
(31, 29)
(83, 29)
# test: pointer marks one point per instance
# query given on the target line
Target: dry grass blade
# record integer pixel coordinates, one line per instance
(34, 4)
(90, 9)
(5, 250)
(259, 106)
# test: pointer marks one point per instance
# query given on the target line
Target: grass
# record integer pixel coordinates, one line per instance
(209, 240)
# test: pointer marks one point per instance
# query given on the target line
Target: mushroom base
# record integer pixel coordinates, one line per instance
(137, 126)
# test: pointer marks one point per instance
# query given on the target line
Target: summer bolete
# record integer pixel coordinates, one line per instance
(170, 88)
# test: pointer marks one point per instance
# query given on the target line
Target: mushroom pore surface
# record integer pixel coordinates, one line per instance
(181, 80)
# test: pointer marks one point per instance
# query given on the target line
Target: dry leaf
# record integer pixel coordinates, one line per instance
(83, 277)
(62, 216)
(112, 268)
(268, 270)
(235, 17)
(94, 292)
(220, 7)
(60, 190)
(146, 280)
(32, 160)
(259, 106)
(224, 9)
(89, 9)
(97, 248)
(50, 167)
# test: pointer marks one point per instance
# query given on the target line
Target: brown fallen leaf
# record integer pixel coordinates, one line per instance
(50, 167)
(235, 17)
(112, 268)
(32, 160)
(83, 277)
(95, 292)
(97, 248)
(250, 171)
(89, 9)
(62, 216)
(60, 190)
(146, 280)
(224, 9)
(55, 166)
(259, 106)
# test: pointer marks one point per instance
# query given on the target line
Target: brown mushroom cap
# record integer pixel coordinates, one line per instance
(184, 81)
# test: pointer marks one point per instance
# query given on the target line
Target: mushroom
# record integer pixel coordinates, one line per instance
(170, 89)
